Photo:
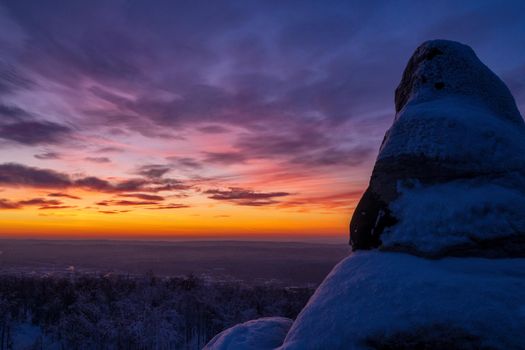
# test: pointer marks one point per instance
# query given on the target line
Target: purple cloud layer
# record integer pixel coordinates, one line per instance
(133, 98)
(173, 64)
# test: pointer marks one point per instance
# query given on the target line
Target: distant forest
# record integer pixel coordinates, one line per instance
(118, 312)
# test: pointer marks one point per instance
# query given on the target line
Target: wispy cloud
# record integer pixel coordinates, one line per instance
(13, 113)
(7, 204)
(224, 158)
(169, 206)
(213, 129)
(185, 162)
(42, 203)
(18, 175)
(34, 132)
(110, 149)
(113, 211)
(62, 195)
(144, 196)
(240, 196)
(100, 160)
(48, 155)
(124, 203)
(153, 170)
(12, 174)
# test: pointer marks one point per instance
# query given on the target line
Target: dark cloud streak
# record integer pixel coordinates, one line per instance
(224, 158)
(18, 175)
(100, 160)
(34, 132)
(62, 195)
(240, 196)
(48, 155)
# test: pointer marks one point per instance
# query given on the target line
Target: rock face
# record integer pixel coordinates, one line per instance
(450, 175)
(261, 334)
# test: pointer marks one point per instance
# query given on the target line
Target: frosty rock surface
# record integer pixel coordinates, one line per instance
(384, 300)
(450, 175)
(261, 334)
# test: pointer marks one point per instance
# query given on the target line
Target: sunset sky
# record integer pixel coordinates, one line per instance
(158, 119)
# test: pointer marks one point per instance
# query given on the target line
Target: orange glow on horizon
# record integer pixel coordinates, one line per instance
(324, 216)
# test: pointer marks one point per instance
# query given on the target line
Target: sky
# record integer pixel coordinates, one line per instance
(254, 119)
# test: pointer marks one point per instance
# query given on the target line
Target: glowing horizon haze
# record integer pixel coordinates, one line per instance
(166, 119)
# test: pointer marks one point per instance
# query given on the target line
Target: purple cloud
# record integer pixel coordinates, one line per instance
(13, 113)
(224, 157)
(110, 149)
(240, 196)
(7, 204)
(94, 183)
(12, 79)
(213, 129)
(143, 196)
(100, 160)
(12, 174)
(48, 155)
(62, 195)
(185, 162)
(18, 175)
(125, 203)
(153, 170)
(169, 206)
(42, 203)
(34, 132)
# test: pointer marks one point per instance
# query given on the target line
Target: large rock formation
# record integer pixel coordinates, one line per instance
(450, 175)
(449, 180)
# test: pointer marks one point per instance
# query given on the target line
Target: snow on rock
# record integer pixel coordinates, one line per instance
(458, 218)
(385, 300)
(454, 153)
(261, 334)
(442, 67)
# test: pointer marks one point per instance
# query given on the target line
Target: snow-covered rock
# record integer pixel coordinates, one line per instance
(449, 180)
(261, 334)
(383, 300)
(450, 175)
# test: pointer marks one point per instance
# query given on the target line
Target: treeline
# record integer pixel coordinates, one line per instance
(117, 312)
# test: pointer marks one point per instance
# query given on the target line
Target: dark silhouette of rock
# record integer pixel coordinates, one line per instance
(450, 175)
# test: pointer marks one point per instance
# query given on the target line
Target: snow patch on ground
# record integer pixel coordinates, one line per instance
(373, 296)
(261, 334)
(27, 336)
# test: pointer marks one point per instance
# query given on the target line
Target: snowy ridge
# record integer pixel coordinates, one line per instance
(374, 297)
(262, 334)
